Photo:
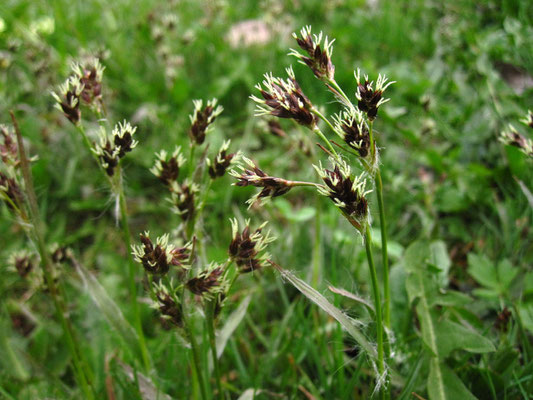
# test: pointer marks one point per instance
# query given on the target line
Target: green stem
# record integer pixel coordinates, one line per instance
(132, 267)
(210, 321)
(335, 85)
(47, 267)
(384, 254)
(319, 133)
(317, 259)
(377, 305)
(195, 354)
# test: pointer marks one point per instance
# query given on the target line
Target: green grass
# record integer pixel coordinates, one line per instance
(447, 179)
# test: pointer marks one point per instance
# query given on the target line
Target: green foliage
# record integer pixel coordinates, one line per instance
(458, 202)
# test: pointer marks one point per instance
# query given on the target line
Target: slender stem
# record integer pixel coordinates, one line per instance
(317, 259)
(132, 267)
(377, 305)
(210, 321)
(195, 354)
(384, 253)
(47, 266)
(317, 130)
(335, 85)
(319, 133)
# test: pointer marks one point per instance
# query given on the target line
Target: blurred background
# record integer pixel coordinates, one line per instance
(464, 71)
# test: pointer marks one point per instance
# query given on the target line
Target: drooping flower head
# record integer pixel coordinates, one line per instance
(202, 118)
(252, 175)
(157, 258)
(167, 168)
(352, 129)
(247, 248)
(370, 98)
(346, 192)
(217, 168)
(319, 55)
(284, 99)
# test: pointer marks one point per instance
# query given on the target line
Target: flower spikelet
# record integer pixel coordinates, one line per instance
(167, 168)
(252, 175)
(370, 98)
(157, 258)
(528, 120)
(168, 303)
(512, 138)
(319, 55)
(209, 282)
(352, 129)
(247, 248)
(183, 198)
(284, 99)
(68, 99)
(346, 192)
(90, 75)
(217, 168)
(202, 118)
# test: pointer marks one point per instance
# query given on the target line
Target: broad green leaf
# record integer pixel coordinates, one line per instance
(482, 270)
(439, 258)
(497, 278)
(350, 324)
(451, 298)
(452, 336)
(526, 314)
(443, 384)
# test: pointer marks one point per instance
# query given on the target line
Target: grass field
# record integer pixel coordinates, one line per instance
(443, 309)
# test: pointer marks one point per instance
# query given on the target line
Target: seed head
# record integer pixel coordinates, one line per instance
(209, 282)
(183, 198)
(370, 99)
(90, 75)
(217, 168)
(202, 118)
(111, 149)
(346, 193)
(252, 175)
(10, 190)
(158, 259)
(59, 254)
(319, 56)
(513, 138)
(167, 168)
(284, 99)
(68, 99)
(248, 249)
(9, 149)
(22, 261)
(168, 303)
(528, 120)
(352, 129)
